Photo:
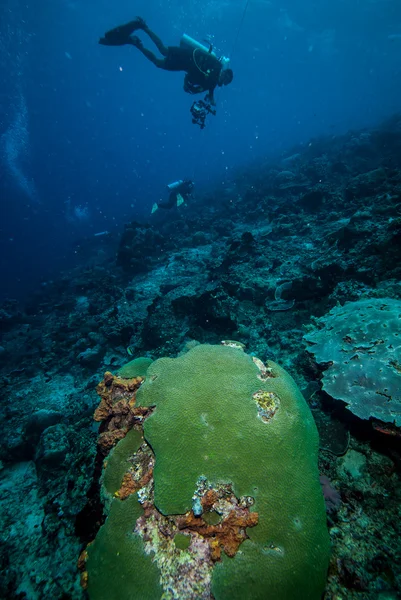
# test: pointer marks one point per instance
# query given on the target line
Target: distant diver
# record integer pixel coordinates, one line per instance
(180, 192)
(204, 70)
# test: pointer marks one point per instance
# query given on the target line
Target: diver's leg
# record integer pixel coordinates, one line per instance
(120, 35)
(172, 200)
(135, 41)
(156, 40)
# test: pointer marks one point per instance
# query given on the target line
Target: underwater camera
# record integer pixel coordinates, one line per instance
(199, 112)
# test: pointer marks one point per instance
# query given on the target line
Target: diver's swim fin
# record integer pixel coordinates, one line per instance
(119, 36)
(154, 208)
(180, 200)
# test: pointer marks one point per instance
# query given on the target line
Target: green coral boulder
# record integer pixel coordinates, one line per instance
(223, 416)
(117, 463)
(135, 368)
(117, 561)
(227, 503)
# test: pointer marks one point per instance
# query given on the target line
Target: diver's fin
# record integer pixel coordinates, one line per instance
(154, 208)
(119, 36)
(180, 200)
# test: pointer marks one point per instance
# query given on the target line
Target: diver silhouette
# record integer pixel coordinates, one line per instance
(180, 192)
(204, 70)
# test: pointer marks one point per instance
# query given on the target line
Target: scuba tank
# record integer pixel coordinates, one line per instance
(175, 185)
(187, 42)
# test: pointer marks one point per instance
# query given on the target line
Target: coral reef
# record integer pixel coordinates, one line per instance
(307, 231)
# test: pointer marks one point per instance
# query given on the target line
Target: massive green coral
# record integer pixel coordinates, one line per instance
(117, 565)
(135, 368)
(234, 443)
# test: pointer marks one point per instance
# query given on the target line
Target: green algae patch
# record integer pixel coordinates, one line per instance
(117, 461)
(182, 541)
(118, 567)
(211, 518)
(135, 368)
(213, 418)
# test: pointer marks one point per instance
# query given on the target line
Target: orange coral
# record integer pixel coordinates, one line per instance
(108, 439)
(210, 497)
(83, 557)
(386, 428)
(113, 391)
(117, 410)
(130, 486)
(227, 535)
(84, 580)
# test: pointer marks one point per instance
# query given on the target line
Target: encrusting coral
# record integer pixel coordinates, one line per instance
(117, 410)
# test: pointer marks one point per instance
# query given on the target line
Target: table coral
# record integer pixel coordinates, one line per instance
(360, 346)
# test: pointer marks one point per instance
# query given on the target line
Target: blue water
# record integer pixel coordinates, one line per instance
(90, 135)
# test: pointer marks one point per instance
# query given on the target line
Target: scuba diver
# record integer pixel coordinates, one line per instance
(204, 70)
(180, 191)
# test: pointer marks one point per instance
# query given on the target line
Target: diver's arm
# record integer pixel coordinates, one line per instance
(210, 97)
(192, 88)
